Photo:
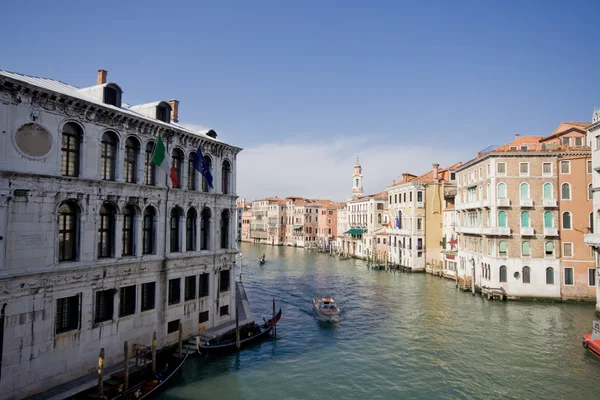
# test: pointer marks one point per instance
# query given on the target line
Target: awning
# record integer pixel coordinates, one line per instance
(472, 187)
(297, 226)
(355, 231)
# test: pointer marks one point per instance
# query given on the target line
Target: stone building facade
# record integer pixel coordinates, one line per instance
(592, 239)
(95, 248)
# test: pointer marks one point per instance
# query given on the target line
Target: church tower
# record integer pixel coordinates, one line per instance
(357, 187)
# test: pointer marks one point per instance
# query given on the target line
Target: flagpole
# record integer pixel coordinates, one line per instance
(166, 242)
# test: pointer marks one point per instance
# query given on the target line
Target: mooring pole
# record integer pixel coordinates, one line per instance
(237, 329)
(126, 366)
(100, 372)
(180, 341)
(154, 352)
(274, 324)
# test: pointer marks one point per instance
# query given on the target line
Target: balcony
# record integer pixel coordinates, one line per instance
(486, 203)
(420, 204)
(550, 203)
(592, 239)
(550, 231)
(472, 230)
(503, 202)
(526, 202)
(497, 231)
(527, 231)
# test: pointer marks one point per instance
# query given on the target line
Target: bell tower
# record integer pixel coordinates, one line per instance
(357, 187)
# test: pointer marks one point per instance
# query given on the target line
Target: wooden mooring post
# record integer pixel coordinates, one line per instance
(101, 372)
(126, 366)
(237, 329)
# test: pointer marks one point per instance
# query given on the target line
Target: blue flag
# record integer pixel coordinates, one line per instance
(397, 222)
(202, 166)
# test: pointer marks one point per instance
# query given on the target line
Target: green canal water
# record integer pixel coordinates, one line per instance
(401, 336)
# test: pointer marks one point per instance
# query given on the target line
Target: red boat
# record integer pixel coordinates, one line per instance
(592, 345)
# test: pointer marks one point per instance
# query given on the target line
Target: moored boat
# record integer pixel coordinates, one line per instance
(326, 308)
(591, 341)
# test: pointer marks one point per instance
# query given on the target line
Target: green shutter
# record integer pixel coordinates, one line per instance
(525, 219)
(547, 191)
(548, 219)
(502, 219)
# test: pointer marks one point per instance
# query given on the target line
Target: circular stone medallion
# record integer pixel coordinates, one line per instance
(33, 140)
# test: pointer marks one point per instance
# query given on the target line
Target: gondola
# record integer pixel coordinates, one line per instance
(249, 333)
(261, 261)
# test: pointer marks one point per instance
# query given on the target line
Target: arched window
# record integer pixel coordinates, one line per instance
(591, 222)
(525, 219)
(128, 233)
(548, 191)
(379, 218)
(132, 148)
(480, 193)
(565, 191)
(488, 191)
(225, 229)
(190, 230)
(502, 248)
(566, 220)
(205, 229)
(502, 190)
(590, 192)
(70, 149)
(68, 221)
(525, 249)
(503, 273)
(524, 191)
(502, 219)
(108, 156)
(399, 220)
(550, 276)
(176, 215)
(549, 248)
(191, 185)
(177, 161)
(226, 177)
(526, 275)
(205, 185)
(148, 239)
(149, 172)
(548, 221)
(106, 231)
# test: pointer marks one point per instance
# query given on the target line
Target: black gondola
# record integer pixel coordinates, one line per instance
(261, 261)
(251, 332)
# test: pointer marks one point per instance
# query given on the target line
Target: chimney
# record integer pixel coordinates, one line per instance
(517, 136)
(393, 182)
(435, 172)
(102, 73)
(174, 110)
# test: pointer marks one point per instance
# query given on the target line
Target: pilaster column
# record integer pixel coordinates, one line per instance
(118, 237)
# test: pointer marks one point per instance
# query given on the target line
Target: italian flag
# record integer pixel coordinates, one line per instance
(160, 159)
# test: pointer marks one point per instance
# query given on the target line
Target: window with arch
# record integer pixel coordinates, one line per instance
(70, 149)
(208, 162)
(226, 177)
(526, 274)
(565, 191)
(566, 220)
(149, 170)
(502, 190)
(191, 184)
(548, 191)
(524, 191)
(205, 229)
(525, 222)
(225, 229)
(177, 161)
(148, 228)
(108, 156)
(132, 148)
(548, 220)
(379, 218)
(525, 249)
(502, 248)
(590, 192)
(190, 230)
(488, 191)
(502, 219)
(549, 248)
(591, 222)
(112, 95)
(68, 220)
(175, 222)
(128, 234)
(106, 231)
(502, 273)
(480, 193)
(549, 276)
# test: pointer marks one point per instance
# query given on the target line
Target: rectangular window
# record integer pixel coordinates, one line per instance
(452, 176)
(410, 195)
(224, 310)
(104, 306)
(190, 288)
(592, 276)
(419, 244)
(419, 224)
(68, 313)
(589, 166)
(568, 276)
(127, 301)
(597, 142)
(579, 141)
(524, 169)
(174, 291)
(564, 141)
(501, 168)
(568, 249)
(565, 167)
(419, 197)
(148, 296)
(546, 169)
(224, 286)
(203, 317)
(173, 326)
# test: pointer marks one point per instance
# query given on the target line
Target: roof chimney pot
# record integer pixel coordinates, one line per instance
(102, 74)
(174, 110)
(517, 136)
(435, 172)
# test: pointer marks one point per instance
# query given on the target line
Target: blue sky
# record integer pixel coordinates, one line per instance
(306, 87)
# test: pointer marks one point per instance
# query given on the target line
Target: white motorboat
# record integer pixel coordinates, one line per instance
(326, 308)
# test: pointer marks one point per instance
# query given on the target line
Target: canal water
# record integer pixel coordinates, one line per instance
(401, 336)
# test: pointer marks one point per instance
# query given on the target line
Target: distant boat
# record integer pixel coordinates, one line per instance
(262, 260)
(326, 308)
